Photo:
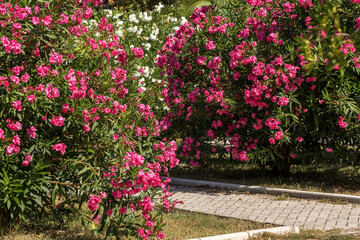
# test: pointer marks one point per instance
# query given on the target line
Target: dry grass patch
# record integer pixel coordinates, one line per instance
(184, 225)
(180, 225)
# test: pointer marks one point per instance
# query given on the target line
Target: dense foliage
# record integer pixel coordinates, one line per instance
(84, 108)
(76, 127)
(273, 82)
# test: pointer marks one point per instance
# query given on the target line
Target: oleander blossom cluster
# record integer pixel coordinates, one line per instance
(71, 111)
(240, 83)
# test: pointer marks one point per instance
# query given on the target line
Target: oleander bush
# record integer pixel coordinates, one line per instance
(76, 133)
(268, 82)
(148, 31)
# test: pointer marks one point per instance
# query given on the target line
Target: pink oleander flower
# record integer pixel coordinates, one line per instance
(35, 20)
(138, 52)
(341, 122)
(43, 70)
(86, 128)
(93, 202)
(15, 79)
(15, 126)
(58, 121)
(17, 105)
(47, 20)
(103, 194)
(329, 150)
(283, 101)
(200, 60)
(211, 134)
(194, 164)
(133, 159)
(210, 45)
(27, 160)
(31, 132)
(2, 136)
(16, 140)
(272, 123)
(299, 139)
(56, 58)
(117, 194)
(109, 212)
(122, 210)
(60, 147)
(115, 137)
(279, 135)
(25, 78)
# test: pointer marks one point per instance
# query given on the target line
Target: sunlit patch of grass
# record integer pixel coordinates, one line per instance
(185, 225)
(179, 225)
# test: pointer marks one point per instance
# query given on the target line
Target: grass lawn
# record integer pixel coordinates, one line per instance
(322, 178)
(180, 225)
(185, 225)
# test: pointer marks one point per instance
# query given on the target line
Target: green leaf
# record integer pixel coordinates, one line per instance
(53, 195)
(83, 170)
(37, 200)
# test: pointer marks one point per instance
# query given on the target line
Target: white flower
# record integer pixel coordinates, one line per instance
(159, 7)
(119, 32)
(120, 22)
(132, 29)
(118, 15)
(155, 31)
(153, 37)
(97, 34)
(183, 21)
(108, 12)
(132, 18)
(139, 31)
(155, 59)
(131, 46)
(147, 46)
(171, 19)
(146, 71)
(93, 22)
(144, 17)
(176, 28)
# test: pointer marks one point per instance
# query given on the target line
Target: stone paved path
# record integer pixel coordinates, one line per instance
(303, 213)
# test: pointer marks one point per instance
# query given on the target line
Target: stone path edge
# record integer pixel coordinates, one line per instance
(265, 190)
(249, 234)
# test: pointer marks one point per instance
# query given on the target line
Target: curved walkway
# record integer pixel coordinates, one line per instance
(302, 213)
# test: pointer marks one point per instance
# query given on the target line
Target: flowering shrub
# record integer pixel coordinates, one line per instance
(74, 128)
(144, 33)
(266, 81)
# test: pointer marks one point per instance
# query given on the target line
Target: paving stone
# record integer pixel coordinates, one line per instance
(304, 213)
